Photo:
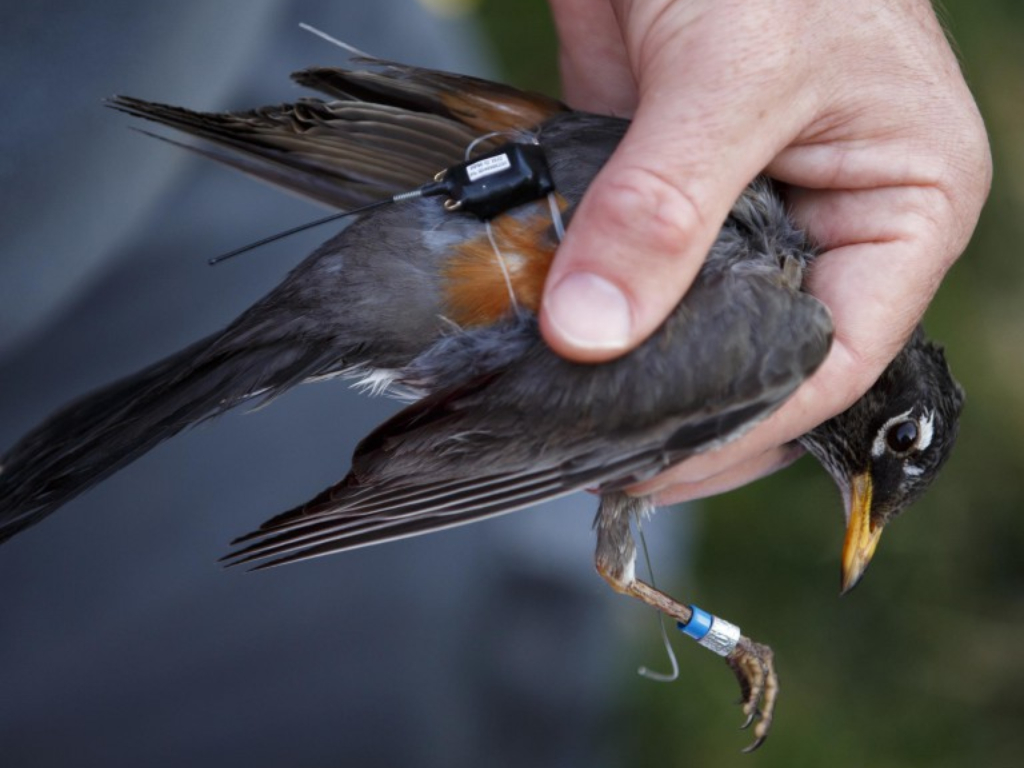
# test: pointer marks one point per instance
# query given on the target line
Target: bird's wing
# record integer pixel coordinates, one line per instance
(504, 440)
(386, 132)
(474, 472)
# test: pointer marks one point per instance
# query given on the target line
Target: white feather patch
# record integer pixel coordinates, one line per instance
(927, 425)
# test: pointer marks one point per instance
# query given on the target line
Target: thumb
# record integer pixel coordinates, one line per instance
(704, 127)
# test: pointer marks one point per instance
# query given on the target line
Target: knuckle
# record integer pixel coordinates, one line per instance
(851, 370)
(646, 209)
(972, 170)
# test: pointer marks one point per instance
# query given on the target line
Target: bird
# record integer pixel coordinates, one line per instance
(436, 301)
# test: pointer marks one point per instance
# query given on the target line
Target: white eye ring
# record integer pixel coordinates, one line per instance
(925, 432)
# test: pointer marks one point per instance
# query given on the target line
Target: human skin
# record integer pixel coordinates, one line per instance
(859, 109)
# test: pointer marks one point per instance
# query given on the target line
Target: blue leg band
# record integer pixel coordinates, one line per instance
(699, 624)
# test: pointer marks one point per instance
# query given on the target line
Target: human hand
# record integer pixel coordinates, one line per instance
(861, 109)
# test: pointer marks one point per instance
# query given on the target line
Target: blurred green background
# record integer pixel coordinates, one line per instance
(923, 664)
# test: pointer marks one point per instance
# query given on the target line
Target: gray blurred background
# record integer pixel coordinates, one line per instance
(122, 642)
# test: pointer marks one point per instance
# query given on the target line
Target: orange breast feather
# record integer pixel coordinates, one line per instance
(477, 287)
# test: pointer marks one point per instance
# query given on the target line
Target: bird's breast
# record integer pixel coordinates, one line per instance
(492, 274)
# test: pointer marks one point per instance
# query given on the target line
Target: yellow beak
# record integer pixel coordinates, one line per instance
(862, 534)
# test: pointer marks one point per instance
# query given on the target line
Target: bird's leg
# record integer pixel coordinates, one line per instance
(751, 662)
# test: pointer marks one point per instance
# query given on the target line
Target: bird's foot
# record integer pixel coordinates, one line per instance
(752, 663)
(754, 667)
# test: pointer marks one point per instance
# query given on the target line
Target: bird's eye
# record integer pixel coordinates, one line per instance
(902, 437)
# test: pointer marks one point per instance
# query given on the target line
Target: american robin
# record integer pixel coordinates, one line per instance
(436, 299)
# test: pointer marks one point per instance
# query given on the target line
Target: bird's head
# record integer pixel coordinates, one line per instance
(887, 448)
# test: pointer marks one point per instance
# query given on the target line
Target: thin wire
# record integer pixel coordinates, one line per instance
(556, 216)
(650, 674)
(504, 267)
(334, 41)
(307, 225)
(472, 145)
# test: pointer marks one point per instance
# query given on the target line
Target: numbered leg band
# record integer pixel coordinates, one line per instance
(713, 633)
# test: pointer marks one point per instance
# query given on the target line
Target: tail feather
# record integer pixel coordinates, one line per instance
(343, 154)
(482, 105)
(93, 437)
(387, 132)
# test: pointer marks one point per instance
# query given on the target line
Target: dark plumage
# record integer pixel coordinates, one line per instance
(415, 300)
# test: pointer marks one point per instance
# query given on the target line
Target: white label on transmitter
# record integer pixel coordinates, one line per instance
(488, 166)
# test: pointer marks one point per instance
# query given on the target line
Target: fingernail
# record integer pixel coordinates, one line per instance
(589, 312)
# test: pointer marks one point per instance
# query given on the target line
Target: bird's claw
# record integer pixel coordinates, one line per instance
(753, 665)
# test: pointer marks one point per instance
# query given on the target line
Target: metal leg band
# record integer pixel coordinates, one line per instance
(713, 633)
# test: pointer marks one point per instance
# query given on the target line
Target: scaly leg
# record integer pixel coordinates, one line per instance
(751, 662)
